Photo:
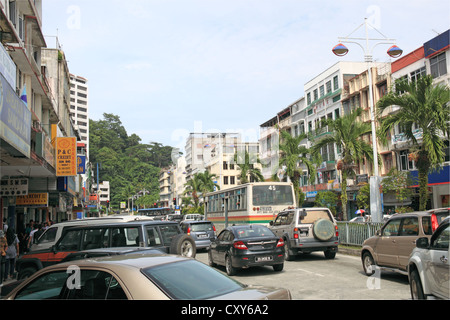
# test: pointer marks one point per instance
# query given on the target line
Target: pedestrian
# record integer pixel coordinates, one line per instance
(12, 252)
(3, 247)
(32, 236)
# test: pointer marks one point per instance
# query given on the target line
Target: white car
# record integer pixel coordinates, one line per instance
(428, 269)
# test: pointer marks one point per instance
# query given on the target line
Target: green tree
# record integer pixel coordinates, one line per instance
(423, 106)
(346, 133)
(248, 171)
(193, 188)
(293, 156)
(326, 199)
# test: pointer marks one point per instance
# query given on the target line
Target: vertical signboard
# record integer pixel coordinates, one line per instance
(81, 164)
(66, 156)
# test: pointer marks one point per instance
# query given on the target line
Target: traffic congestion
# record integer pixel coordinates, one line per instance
(138, 257)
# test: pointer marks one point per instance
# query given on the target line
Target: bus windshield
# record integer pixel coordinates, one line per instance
(272, 195)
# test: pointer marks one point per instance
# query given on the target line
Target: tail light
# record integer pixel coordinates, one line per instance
(295, 233)
(189, 231)
(337, 231)
(434, 222)
(280, 243)
(240, 245)
(214, 228)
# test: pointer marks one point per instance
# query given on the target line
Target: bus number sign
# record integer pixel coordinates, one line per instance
(266, 209)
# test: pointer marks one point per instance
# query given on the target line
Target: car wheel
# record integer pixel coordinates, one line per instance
(183, 245)
(288, 256)
(278, 267)
(26, 272)
(210, 259)
(368, 264)
(231, 271)
(416, 286)
(329, 254)
(323, 230)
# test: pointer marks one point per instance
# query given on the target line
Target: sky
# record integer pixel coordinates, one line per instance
(171, 67)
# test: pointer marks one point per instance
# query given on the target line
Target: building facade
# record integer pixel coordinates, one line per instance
(34, 113)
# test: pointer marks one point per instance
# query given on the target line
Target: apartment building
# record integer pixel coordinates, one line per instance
(433, 58)
(224, 165)
(201, 148)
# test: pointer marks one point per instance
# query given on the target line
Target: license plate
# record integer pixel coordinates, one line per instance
(262, 259)
(202, 236)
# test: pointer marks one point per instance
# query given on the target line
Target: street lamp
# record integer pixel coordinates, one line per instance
(394, 52)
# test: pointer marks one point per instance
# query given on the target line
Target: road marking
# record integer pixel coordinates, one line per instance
(310, 272)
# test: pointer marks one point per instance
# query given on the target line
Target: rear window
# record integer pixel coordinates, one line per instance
(191, 279)
(196, 227)
(314, 215)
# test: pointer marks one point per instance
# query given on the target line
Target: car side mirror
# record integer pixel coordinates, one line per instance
(271, 223)
(422, 243)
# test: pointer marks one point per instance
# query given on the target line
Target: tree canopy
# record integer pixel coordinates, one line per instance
(129, 165)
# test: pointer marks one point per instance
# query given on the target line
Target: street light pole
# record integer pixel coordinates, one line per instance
(393, 51)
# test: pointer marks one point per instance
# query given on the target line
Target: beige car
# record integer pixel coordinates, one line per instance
(391, 247)
(138, 277)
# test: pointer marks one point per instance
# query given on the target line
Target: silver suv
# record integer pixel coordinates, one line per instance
(305, 230)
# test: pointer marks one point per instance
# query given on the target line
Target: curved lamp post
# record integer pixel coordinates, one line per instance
(341, 50)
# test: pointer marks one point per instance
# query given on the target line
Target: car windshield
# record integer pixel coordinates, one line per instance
(196, 227)
(190, 279)
(253, 231)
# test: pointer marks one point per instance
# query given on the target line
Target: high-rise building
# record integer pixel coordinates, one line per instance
(79, 107)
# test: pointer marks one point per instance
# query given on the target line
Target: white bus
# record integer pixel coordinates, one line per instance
(257, 202)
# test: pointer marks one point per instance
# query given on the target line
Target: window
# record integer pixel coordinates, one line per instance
(391, 229)
(168, 232)
(153, 237)
(328, 84)
(70, 241)
(410, 226)
(335, 83)
(417, 74)
(92, 285)
(315, 94)
(308, 98)
(124, 237)
(438, 65)
(95, 238)
(232, 180)
(225, 180)
(322, 91)
(442, 240)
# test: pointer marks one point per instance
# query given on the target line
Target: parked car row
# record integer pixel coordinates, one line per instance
(415, 244)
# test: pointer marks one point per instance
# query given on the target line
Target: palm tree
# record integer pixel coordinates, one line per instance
(201, 183)
(423, 105)
(207, 183)
(192, 186)
(292, 156)
(248, 172)
(346, 132)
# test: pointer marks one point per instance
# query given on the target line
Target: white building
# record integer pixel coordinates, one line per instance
(79, 107)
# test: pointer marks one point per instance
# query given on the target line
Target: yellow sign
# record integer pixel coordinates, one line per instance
(66, 156)
(33, 200)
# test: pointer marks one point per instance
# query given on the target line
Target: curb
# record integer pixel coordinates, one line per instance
(350, 251)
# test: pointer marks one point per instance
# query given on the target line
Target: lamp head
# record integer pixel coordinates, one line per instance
(394, 51)
(340, 50)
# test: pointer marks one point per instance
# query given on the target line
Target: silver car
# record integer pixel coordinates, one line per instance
(138, 277)
(428, 268)
(202, 231)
